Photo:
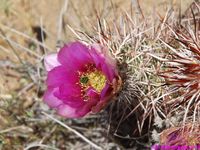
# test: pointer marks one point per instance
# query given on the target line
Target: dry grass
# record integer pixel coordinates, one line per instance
(137, 37)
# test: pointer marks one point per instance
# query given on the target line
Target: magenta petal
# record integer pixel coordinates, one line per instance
(70, 95)
(93, 98)
(50, 61)
(50, 99)
(104, 98)
(97, 58)
(92, 94)
(59, 75)
(67, 111)
(103, 61)
(74, 55)
(67, 90)
(105, 91)
(86, 108)
(104, 52)
(108, 71)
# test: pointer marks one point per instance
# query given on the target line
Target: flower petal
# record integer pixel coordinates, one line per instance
(60, 75)
(67, 111)
(105, 53)
(103, 61)
(50, 99)
(70, 90)
(105, 97)
(106, 90)
(93, 98)
(92, 94)
(74, 112)
(74, 55)
(109, 72)
(70, 95)
(50, 61)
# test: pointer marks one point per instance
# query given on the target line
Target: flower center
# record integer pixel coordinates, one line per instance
(94, 79)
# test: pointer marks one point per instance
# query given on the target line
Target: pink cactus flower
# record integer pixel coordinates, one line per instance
(81, 79)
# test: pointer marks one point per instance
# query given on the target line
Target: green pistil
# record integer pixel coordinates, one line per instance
(84, 80)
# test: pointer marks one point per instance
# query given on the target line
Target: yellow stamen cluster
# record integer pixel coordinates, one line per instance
(95, 79)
